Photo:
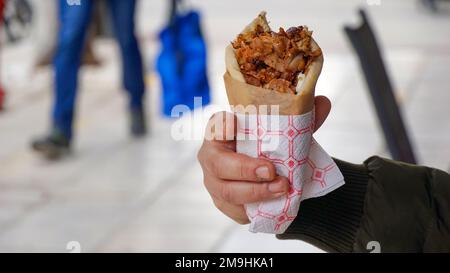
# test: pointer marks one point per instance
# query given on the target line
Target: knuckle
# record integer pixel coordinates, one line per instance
(202, 159)
(254, 192)
(218, 204)
(237, 216)
(206, 182)
(241, 168)
(214, 168)
(204, 156)
(257, 191)
(226, 194)
(244, 167)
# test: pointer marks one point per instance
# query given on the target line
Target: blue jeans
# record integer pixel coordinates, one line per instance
(74, 22)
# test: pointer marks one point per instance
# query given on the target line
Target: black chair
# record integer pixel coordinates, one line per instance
(364, 42)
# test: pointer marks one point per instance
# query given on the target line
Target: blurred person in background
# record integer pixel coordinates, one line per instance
(45, 31)
(403, 207)
(74, 21)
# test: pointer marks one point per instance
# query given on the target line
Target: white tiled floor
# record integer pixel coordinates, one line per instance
(115, 194)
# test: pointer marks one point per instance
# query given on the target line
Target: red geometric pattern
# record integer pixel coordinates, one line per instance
(285, 141)
(319, 174)
(293, 138)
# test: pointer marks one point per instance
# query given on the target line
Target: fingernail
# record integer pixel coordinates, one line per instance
(276, 187)
(263, 173)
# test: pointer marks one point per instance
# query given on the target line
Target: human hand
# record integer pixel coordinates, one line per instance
(234, 179)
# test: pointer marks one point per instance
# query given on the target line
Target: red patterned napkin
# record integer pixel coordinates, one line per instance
(287, 142)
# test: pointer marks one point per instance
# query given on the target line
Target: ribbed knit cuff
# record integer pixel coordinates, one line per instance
(330, 222)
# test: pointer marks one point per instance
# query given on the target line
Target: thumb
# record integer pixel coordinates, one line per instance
(322, 109)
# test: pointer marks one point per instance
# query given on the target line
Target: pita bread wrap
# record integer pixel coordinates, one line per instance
(283, 137)
(241, 93)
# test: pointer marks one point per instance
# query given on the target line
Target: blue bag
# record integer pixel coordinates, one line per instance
(182, 61)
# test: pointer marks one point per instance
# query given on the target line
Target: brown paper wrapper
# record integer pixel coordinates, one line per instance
(240, 93)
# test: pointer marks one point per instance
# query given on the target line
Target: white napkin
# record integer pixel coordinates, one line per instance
(287, 142)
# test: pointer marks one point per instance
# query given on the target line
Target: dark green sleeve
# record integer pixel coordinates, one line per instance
(403, 207)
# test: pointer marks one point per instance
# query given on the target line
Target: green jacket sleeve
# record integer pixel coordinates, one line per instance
(397, 206)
